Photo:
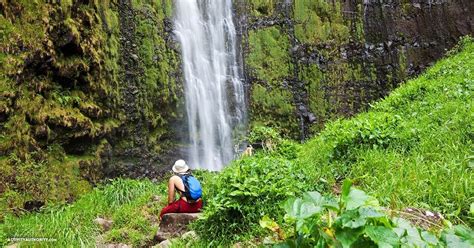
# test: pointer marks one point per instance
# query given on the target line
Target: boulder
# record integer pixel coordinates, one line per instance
(103, 223)
(174, 224)
(164, 244)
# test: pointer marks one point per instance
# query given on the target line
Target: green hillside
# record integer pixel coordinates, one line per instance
(412, 149)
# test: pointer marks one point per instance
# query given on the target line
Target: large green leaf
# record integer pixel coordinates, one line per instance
(292, 207)
(465, 233)
(348, 236)
(411, 236)
(358, 198)
(321, 201)
(311, 204)
(308, 209)
(460, 236)
(330, 203)
(452, 240)
(314, 197)
(382, 236)
(351, 219)
(346, 187)
(370, 212)
(429, 238)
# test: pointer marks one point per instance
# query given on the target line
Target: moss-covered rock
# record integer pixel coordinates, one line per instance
(336, 57)
(268, 55)
(63, 113)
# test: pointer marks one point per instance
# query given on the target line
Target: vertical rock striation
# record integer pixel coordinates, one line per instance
(308, 61)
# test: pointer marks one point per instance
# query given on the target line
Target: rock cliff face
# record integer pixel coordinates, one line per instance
(91, 89)
(308, 61)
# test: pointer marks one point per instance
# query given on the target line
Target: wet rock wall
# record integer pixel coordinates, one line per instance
(89, 90)
(308, 61)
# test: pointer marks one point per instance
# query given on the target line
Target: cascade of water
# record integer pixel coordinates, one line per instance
(214, 90)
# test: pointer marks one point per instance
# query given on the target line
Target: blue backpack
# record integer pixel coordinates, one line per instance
(192, 187)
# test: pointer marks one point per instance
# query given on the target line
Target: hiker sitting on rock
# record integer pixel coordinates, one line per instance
(189, 190)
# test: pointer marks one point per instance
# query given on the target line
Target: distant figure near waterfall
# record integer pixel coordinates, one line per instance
(248, 151)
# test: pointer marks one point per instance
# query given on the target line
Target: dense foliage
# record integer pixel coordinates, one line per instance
(354, 220)
(64, 84)
(244, 192)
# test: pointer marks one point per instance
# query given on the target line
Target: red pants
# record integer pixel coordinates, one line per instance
(181, 206)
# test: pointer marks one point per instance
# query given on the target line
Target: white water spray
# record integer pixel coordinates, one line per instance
(214, 90)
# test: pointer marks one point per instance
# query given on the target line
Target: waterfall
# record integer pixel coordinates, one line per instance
(214, 90)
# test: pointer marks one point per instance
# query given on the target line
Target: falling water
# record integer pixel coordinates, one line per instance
(213, 88)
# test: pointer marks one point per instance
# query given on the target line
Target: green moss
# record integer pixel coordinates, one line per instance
(320, 21)
(313, 78)
(269, 107)
(269, 54)
(67, 90)
(402, 64)
(160, 64)
(262, 7)
(358, 30)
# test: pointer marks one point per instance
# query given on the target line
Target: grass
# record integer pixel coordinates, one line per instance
(127, 202)
(122, 200)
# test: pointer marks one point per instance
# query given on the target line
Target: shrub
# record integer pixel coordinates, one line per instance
(245, 191)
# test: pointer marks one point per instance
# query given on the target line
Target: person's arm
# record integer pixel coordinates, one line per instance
(171, 192)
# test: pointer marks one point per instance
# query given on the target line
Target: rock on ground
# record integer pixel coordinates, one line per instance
(174, 224)
(164, 244)
(104, 223)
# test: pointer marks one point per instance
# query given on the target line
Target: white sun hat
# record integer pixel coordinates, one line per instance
(180, 166)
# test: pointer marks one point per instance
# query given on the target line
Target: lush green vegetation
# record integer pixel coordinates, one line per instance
(413, 149)
(127, 202)
(262, 7)
(269, 54)
(61, 83)
(271, 100)
(58, 84)
(354, 220)
(321, 21)
(316, 57)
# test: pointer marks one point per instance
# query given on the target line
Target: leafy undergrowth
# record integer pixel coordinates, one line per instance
(354, 220)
